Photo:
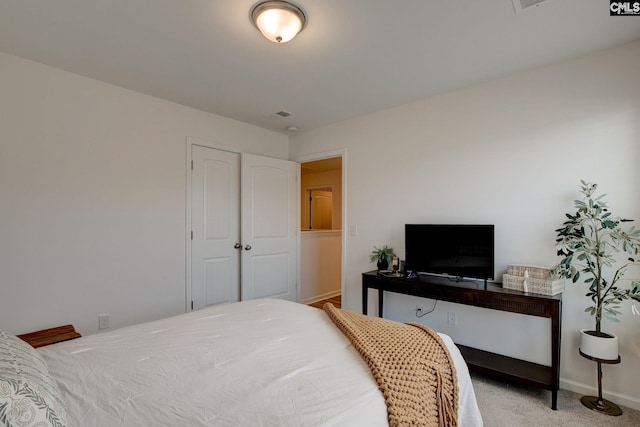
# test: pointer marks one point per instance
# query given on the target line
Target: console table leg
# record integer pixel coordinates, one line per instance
(365, 292)
(556, 318)
(380, 297)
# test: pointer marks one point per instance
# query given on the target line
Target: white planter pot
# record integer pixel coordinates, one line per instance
(603, 347)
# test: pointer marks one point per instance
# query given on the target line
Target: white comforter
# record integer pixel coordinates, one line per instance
(254, 363)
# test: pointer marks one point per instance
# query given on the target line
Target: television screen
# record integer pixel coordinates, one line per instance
(454, 250)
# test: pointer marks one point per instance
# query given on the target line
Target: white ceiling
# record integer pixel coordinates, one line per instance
(354, 57)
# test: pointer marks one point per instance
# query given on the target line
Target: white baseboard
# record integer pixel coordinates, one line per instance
(315, 298)
(619, 399)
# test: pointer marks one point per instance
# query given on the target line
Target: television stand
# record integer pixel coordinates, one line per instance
(492, 297)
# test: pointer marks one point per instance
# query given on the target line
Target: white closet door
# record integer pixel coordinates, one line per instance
(215, 220)
(269, 227)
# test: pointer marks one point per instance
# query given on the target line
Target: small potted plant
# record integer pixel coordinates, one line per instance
(382, 256)
(588, 243)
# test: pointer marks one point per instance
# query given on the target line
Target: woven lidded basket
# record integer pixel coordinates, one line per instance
(536, 286)
(533, 271)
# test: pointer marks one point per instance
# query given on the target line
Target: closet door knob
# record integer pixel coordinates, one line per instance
(247, 248)
(237, 246)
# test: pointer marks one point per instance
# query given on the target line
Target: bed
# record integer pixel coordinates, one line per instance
(254, 363)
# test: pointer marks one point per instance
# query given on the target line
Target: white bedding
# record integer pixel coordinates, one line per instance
(254, 363)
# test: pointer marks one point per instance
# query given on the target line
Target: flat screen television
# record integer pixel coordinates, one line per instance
(453, 250)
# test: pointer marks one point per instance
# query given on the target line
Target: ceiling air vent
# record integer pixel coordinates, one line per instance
(520, 5)
(280, 115)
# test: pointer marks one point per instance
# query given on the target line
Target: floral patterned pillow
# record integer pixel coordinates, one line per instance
(29, 397)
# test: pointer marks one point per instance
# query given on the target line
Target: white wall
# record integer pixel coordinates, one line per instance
(92, 197)
(320, 259)
(511, 153)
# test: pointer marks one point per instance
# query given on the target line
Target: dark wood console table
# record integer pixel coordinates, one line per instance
(493, 297)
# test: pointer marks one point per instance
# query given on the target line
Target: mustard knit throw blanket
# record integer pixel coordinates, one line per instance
(411, 365)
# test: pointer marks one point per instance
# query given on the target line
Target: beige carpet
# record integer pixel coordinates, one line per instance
(513, 405)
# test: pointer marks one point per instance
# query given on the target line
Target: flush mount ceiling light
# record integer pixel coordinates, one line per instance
(279, 21)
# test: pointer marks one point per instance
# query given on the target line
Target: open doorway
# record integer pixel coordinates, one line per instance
(321, 230)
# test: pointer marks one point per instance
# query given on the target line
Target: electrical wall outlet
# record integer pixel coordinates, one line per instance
(452, 318)
(104, 321)
(419, 309)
